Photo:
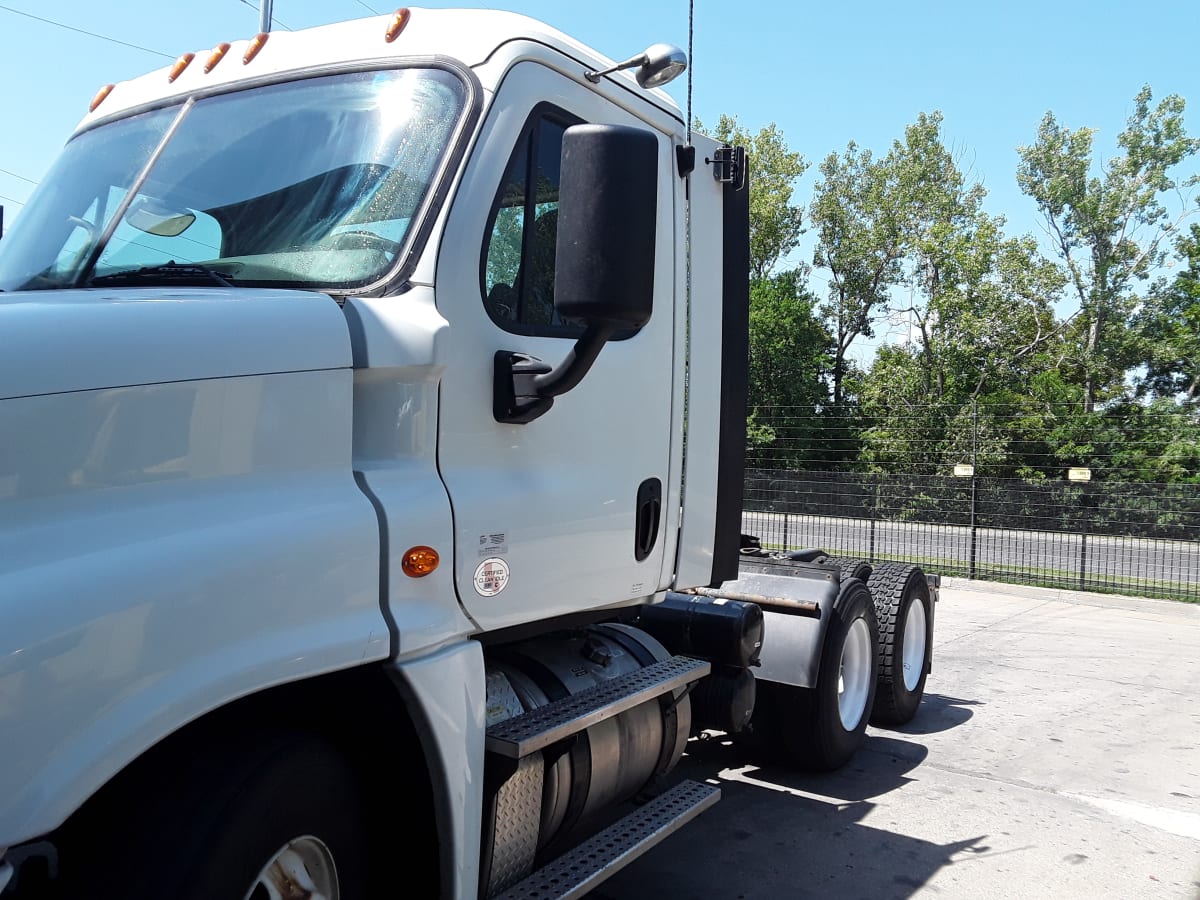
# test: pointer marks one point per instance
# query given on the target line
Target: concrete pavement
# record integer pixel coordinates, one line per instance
(1057, 754)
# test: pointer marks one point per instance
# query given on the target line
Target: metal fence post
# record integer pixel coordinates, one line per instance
(874, 516)
(1083, 532)
(974, 484)
(785, 532)
(971, 563)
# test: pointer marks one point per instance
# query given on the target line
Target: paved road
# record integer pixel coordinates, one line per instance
(1050, 555)
(1057, 755)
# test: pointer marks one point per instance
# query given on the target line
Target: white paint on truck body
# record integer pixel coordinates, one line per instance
(561, 489)
(181, 525)
(699, 498)
(471, 36)
(186, 533)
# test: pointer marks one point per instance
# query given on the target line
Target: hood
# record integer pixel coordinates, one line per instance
(77, 340)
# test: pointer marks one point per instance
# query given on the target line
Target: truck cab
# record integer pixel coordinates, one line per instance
(356, 383)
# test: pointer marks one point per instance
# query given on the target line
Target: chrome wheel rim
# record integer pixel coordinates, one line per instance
(302, 869)
(854, 674)
(913, 648)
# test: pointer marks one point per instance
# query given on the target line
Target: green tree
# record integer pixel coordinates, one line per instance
(949, 241)
(789, 356)
(1107, 228)
(1169, 325)
(788, 344)
(858, 217)
(979, 317)
(776, 223)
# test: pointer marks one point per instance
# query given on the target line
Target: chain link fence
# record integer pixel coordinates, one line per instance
(886, 490)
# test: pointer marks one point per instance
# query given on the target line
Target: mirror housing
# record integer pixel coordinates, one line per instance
(657, 65)
(607, 205)
(604, 261)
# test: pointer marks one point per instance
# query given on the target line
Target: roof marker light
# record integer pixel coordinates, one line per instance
(218, 54)
(399, 20)
(259, 41)
(100, 96)
(180, 64)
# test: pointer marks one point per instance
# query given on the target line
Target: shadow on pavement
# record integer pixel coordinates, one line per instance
(763, 842)
(882, 765)
(778, 833)
(939, 713)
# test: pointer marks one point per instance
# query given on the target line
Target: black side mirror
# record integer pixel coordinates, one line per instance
(604, 263)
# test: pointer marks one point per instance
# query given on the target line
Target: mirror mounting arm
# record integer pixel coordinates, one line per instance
(524, 388)
(576, 363)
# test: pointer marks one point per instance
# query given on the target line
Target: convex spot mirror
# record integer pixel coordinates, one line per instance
(154, 218)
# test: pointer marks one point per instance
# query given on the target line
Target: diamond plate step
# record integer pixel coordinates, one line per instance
(541, 727)
(582, 869)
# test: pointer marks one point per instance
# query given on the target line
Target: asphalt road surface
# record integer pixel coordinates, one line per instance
(1056, 754)
(1053, 556)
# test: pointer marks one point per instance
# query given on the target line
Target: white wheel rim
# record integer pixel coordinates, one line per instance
(302, 869)
(913, 648)
(854, 674)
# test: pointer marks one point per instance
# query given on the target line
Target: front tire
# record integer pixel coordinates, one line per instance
(284, 819)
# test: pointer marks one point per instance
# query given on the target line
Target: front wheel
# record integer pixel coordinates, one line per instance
(821, 728)
(283, 821)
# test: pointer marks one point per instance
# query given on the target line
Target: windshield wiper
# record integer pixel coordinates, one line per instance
(172, 271)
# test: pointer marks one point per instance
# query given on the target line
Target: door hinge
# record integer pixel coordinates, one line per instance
(729, 166)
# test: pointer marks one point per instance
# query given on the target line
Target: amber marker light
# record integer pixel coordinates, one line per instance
(419, 561)
(399, 20)
(100, 96)
(259, 41)
(218, 54)
(180, 64)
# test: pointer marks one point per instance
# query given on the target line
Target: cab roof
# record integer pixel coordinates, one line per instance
(470, 36)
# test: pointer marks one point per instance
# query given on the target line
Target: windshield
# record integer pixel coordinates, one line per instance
(312, 183)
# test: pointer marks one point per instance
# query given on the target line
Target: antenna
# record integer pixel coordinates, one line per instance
(691, 64)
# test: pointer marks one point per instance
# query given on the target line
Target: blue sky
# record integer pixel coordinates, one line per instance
(825, 73)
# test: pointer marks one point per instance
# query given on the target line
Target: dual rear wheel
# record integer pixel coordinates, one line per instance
(874, 661)
(820, 728)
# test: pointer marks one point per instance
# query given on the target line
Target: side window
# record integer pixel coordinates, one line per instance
(517, 268)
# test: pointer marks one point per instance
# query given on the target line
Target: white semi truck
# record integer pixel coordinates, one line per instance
(372, 406)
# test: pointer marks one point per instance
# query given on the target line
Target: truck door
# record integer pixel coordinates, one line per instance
(563, 513)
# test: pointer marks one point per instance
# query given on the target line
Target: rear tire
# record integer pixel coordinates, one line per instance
(821, 728)
(904, 609)
(286, 812)
(854, 568)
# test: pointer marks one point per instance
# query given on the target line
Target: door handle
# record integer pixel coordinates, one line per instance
(649, 505)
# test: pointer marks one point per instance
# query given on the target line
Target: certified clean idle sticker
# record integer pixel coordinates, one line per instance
(491, 577)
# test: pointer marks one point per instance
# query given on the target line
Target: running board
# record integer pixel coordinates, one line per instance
(579, 871)
(539, 728)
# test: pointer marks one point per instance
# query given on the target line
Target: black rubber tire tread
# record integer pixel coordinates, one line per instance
(851, 567)
(801, 726)
(894, 586)
(208, 831)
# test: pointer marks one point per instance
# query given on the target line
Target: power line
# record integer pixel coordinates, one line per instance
(102, 37)
(15, 175)
(12, 200)
(364, 6)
